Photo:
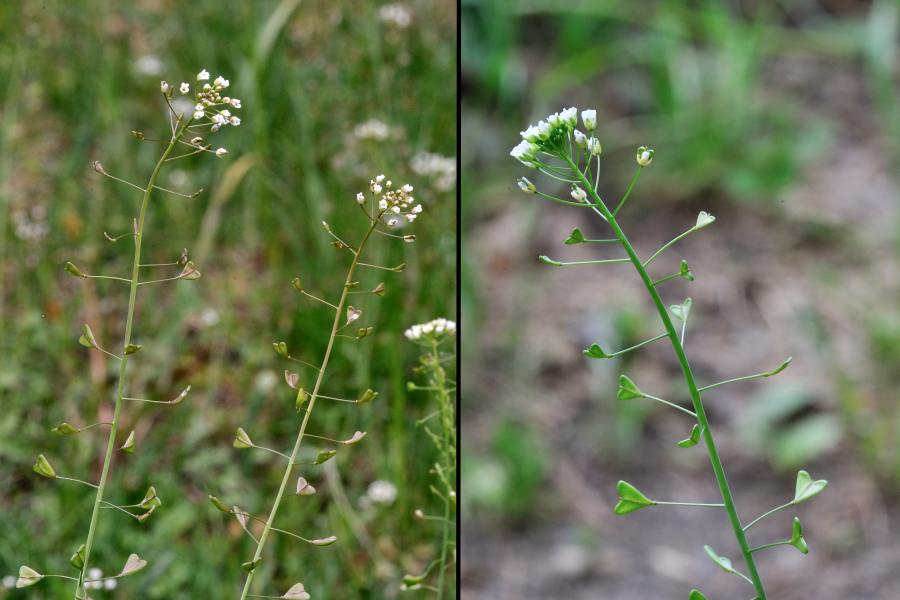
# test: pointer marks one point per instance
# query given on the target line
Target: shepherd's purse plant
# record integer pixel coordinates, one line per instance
(431, 337)
(387, 208)
(209, 111)
(556, 148)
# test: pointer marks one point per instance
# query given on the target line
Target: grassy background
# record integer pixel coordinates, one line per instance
(781, 118)
(77, 77)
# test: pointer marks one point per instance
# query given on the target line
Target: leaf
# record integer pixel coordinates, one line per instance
(723, 562)
(128, 446)
(134, 564)
(65, 429)
(326, 541)
(628, 390)
(304, 488)
(797, 540)
(323, 456)
(576, 237)
(357, 436)
(704, 219)
(280, 348)
(77, 559)
(297, 592)
(132, 348)
(87, 338)
(367, 396)
(696, 595)
(780, 367)
(71, 269)
(807, 488)
(291, 378)
(694, 439)
(631, 499)
(190, 271)
(27, 577)
(685, 273)
(42, 467)
(241, 439)
(682, 311)
(595, 351)
(219, 504)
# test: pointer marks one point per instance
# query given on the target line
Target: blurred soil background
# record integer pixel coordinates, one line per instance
(782, 120)
(334, 92)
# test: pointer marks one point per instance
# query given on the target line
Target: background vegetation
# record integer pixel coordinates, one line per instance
(781, 118)
(75, 78)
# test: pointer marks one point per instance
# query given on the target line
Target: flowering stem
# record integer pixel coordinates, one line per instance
(123, 364)
(678, 347)
(439, 381)
(312, 402)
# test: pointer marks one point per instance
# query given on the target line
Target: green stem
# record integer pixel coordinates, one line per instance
(447, 421)
(312, 402)
(123, 364)
(677, 346)
(772, 545)
(764, 515)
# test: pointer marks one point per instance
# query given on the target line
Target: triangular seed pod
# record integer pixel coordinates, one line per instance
(134, 564)
(379, 289)
(797, 540)
(323, 456)
(132, 348)
(704, 219)
(27, 577)
(722, 562)
(696, 595)
(694, 438)
(297, 592)
(364, 332)
(326, 541)
(242, 517)
(65, 429)
(291, 378)
(807, 488)
(682, 311)
(71, 269)
(304, 488)
(280, 348)
(128, 446)
(685, 273)
(296, 283)
(146, 515)
(42, 467)
(367, 396)
(87, 338)
(150, 499)
(353, 313)
(628, 390)
(576, 237)
(302, 398)
(631, 499)
(77, 559)
(190, 271)
(181, 396)
(594, 351)
(241, 439)
(251, 565)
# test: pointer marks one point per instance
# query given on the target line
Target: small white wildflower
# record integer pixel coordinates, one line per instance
(376, 188)
(395, 209)
(234, 120)
(416, 209)
(185, 87)
(221, 152)
(589, 118)
(569, 116)
(236, 102)
(433, 329)
(581, 139)
(411, 217)
(382, 204)
(407, 188)
(382, 492)
(203, 76)
(379, 178)
(360, 198)
(215, 128)
(578, 194)
(164, 87)
(94, 573)
(219, 119)
(525, 152)
(393, 222)
(221, 83)
(198, 114)
(196, 140)
(226, 113)
(644, 156)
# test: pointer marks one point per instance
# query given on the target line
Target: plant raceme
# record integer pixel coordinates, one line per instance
(431, 336)
(387, 208)
(556, 148)
(185, 131)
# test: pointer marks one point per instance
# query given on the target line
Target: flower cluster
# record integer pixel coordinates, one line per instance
(436, 329)
(208, 98)
(95, 581)
(550, 136)
(393, 203)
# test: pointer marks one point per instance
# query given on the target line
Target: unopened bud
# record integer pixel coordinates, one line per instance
(644, 156)
(98, 167)
(526, 186)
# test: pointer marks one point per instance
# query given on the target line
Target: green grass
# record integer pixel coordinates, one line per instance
(308, 73)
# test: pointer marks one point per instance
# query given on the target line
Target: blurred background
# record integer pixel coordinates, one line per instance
(780, 118)
(334, 92)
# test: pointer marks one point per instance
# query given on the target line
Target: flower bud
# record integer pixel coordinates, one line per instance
(581, 139)
(644, 156)
(71, 269)
(42, 467)
(526, 186)
(164, 87)
(594, 145)
(578, 194)
(589, 118)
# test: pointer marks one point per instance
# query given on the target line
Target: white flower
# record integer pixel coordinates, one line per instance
(219, 119)
(221, 83)
(382, 492)
(198, 114)
(581, 139)
(436, 328)
(382, 204)
(589, 118)
(594, 145)
(234, 120)
(526, 186)
(195, 141)
(416, 209)
(372, 129)
(411, 217)
(236, 102)
(393, 222)
(185, 87)
(407, 188)
(360, 198)
(644, 156)
(221, 152)
(379, 178)
(226, 113)
(164, 87)
(376, 188)
(578, 194)
(203, 75)
(531, 134)
(569, 116)
(525, 152)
